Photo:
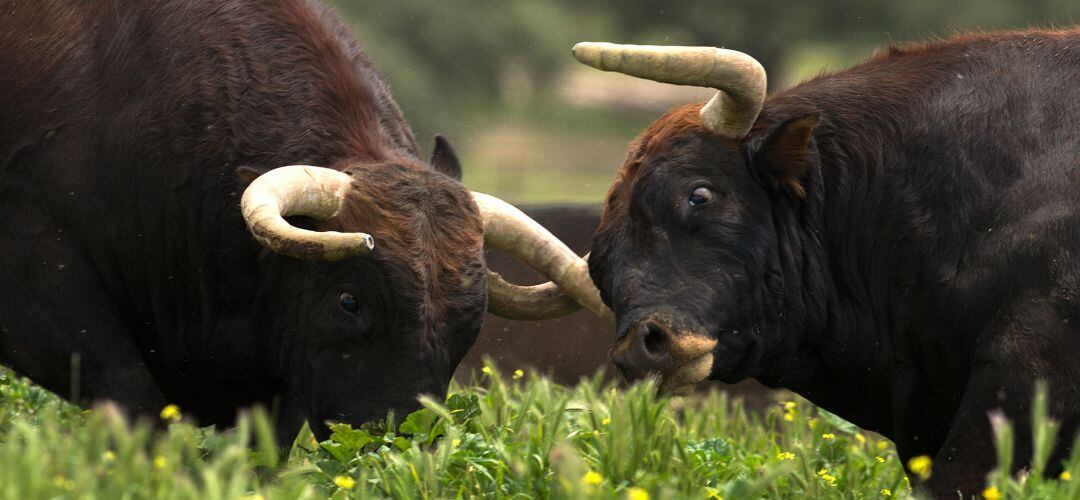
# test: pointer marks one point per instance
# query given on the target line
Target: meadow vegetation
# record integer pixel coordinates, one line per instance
(504, 436)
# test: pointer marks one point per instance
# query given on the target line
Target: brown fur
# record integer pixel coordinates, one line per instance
(422, 223)
(961, 37)
(653, 141)
(143, 112)
(787, 153)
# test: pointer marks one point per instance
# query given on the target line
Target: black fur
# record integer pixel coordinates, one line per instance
(928, 275)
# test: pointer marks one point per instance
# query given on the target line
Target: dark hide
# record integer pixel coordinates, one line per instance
(122, 246)
(894, 242)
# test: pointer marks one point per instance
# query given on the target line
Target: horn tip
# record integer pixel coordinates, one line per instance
(368, 242)
(585, 52)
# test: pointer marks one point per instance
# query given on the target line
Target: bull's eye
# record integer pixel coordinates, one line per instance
(700, 196)
(348, 303)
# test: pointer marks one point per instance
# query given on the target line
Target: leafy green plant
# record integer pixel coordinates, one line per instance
(500, 438)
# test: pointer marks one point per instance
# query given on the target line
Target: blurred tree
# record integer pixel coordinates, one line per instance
(476, 68)
(482, 53)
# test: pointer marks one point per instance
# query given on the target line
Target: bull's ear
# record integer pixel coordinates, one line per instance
(785, 154)
(444, 159)
(247, 175)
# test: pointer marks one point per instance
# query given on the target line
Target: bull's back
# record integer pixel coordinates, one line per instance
(951, 168)
(985, 183)
(42, 55)
(993, 154)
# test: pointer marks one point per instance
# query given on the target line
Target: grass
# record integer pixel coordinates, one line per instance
(517, 436)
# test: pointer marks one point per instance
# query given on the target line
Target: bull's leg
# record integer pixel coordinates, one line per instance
(63, 330)
(968, 453)
(290, 418)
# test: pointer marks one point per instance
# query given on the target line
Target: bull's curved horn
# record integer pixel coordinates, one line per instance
(301, 190)
(536, 302)
(509, 230)
(739, 77)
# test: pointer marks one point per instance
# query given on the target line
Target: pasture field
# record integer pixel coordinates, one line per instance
(507, 435)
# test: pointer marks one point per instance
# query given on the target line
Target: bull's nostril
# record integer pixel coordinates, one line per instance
(656, 341)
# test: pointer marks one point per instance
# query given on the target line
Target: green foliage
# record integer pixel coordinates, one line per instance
(1030, 483)
(435, 53)
(497, 438)
(487, 73)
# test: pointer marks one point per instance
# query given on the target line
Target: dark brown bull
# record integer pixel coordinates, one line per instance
(896, 241)
(573, 346)
(129, 132)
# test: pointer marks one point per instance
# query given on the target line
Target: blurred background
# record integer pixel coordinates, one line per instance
(536, 128)
(532, 125)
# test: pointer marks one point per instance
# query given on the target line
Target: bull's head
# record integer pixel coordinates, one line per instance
(686, 253)
(376, 288)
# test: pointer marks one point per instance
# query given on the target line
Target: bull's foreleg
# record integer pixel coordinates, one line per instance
(64, 331)
(91, 365)
(968, 453)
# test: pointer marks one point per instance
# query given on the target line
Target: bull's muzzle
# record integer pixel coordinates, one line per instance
(652, 347)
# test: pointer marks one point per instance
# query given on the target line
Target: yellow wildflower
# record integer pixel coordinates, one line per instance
(921, 466)
(811, 423)
(487, 370)
(882, 445)
(64, 483)
(785, 455)
(992, 493)
(860, 438)
(713, 494)
(455, 442)
(171, 413)
(885, 492)
(606, 421)
(828, 435)
(1065, 476)
(108, 457)
(880, 460)
(789, 417)
(518, 374)
(635, 493)
(345, 482)
(790, 405)
(160, 462)
(828, 478)
(592, 478)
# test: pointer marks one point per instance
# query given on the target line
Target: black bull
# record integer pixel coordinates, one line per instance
(571, 347)
(896, 241)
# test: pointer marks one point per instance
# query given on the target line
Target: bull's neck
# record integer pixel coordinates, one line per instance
(289, 107)
(835, 256)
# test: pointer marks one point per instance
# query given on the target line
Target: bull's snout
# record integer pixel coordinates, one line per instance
(652, 346)
(646, 349)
